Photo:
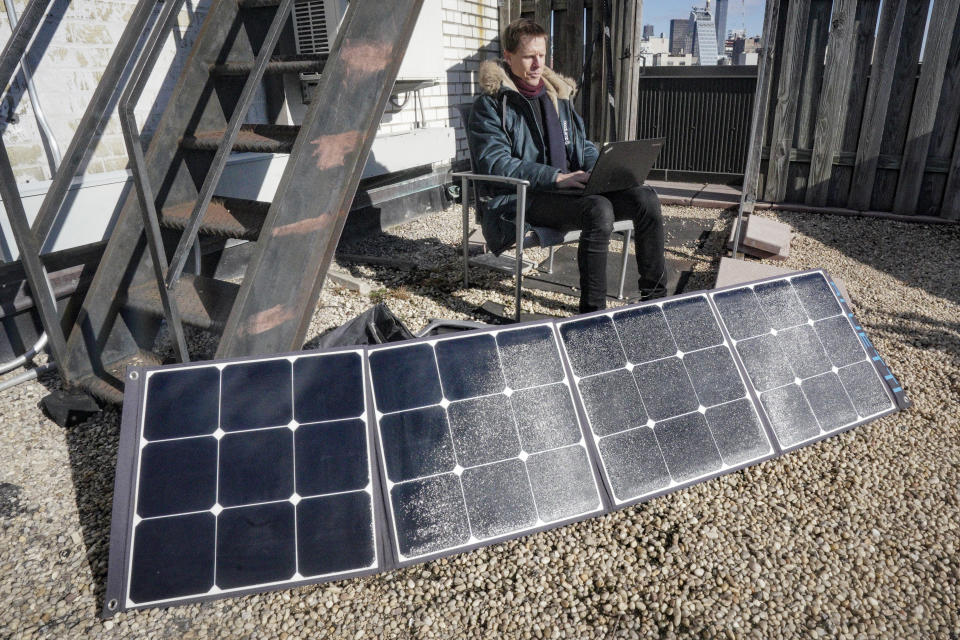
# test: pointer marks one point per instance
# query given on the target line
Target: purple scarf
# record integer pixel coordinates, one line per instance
(556, 148)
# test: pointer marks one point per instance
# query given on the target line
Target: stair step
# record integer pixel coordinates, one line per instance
(109, 386)
(203, 302)
(225, 217)
(263, 138)
(277, 64)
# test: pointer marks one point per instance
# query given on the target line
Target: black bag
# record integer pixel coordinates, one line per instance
(376, 325)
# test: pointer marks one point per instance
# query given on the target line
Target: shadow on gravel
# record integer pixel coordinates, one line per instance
(920, 255)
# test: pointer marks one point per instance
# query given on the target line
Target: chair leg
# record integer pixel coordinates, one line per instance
(465, 199)
(623, 263)
(521, 213)
(550, 263)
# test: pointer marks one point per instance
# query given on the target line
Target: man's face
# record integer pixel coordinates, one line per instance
(527, 61)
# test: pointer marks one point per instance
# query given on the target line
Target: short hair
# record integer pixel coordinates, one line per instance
(517, 30)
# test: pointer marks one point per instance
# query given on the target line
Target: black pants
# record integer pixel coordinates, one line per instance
(594, 216)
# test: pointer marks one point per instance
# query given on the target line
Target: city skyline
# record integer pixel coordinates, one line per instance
(660, 12)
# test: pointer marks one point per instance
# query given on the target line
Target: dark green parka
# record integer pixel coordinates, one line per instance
(505, 140)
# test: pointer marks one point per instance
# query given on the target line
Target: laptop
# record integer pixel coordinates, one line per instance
(621, 165)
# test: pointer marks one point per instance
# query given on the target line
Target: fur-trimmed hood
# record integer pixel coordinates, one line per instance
(493, 76)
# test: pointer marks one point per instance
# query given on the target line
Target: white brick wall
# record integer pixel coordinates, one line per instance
(81, 43)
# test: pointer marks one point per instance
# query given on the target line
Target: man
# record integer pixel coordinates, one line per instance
(523, 125)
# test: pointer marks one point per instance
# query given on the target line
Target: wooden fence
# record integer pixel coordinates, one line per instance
(853, 119)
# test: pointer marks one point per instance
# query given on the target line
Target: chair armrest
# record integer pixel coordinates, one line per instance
(487, 178)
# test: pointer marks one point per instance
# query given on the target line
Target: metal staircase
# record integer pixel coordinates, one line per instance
(140, 282)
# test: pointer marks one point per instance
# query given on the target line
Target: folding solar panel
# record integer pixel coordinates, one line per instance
(244, 476)
(480, 440)
(247, 475)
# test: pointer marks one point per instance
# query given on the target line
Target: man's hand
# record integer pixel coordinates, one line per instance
(575, 180)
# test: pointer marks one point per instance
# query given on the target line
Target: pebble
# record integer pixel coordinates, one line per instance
(854, 537)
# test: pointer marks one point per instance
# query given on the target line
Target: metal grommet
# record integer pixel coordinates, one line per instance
(112, 604)
(134, 375)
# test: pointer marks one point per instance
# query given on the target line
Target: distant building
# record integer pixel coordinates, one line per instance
(720, 23)
(743, 47)
(647, 31)
(703, 33)
(744, 58)
(652, 47)
(679, 37)
(670, 60)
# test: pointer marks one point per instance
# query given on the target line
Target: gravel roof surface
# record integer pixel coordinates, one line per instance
(854, 537)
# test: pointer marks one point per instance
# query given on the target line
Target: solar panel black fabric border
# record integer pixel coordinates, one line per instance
(712, 338)
(526, 376)
(310, 530)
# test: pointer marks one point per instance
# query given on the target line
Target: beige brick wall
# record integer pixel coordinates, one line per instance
(81, 45)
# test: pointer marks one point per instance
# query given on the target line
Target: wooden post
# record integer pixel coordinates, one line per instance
(785, 115)
(950, 206)
(542, 17)
(629, 68)
(925, 102)
(832, 110)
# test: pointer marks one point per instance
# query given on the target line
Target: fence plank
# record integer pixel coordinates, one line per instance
(542, 17)
(568, 30)
(944, 129)
(878, 98)
(901, 100)
(784, 120)
(628, 93)
(925, 102)
(758, 121)
(831, 112)
(866, 27)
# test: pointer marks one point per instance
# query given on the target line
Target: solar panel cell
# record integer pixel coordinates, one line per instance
(864, 388)
(612, 402)
(173, 557)
(633, 463)
(688, 447)
(780, 304)
(529, 357)
(545, 417)
(499, 499)
(714, 375)
(483, 375)
(790, 415)
(562, 483)
(737, 432)
(840, 342)
(256, 545)
(430, 515)
(334, 533)
(816, 296)
(741, 312)
(692, 323)
(665, 388)
(182, 403)
(418, 386)
(258, 395)
(331, 457)
(592, 345)
(483, 430)
(256, 466)
(417, 443)
(803, 351)
(644, 334)
(177, 476)
(765, 362)
(829, 401)
(313, 377)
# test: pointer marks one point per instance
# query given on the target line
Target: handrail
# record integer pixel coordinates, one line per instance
(131, 138)
(93, 117)
(180, 255)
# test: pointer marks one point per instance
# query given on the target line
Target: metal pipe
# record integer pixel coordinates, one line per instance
(465, 202)
(521, 214)
(28, 355)
(45, 129)
(27, 376)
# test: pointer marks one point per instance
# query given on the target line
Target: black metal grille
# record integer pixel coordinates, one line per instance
(703, 112)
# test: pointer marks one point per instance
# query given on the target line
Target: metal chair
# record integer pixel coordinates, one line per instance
(624, 227)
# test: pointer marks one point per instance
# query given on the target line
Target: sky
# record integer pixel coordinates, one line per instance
(660, 12)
